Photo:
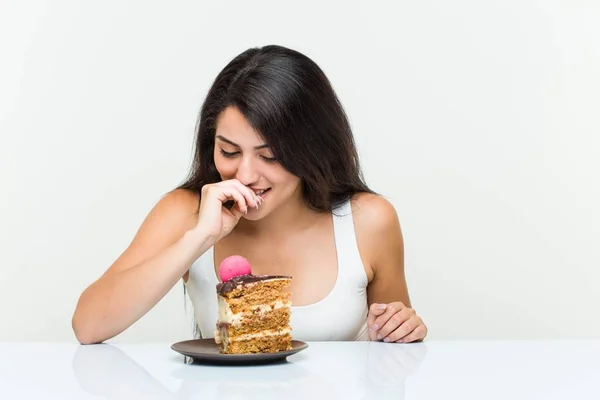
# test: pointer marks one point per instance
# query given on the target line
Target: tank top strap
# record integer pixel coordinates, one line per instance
(349, 260)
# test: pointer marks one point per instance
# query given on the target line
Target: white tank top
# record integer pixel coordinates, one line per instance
(341, 316)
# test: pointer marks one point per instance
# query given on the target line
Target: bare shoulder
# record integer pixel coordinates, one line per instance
(173, 214)
(179, 201)
(374, 214)
(169, 219)
(377, 229)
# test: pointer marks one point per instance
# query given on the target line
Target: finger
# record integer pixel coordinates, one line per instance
(381, 321)
(397, 319)
(389, 311)
(227, 188)
(417, 334)
(404, 329)
(375, 310)
(235, 212)
(248, 193)
(251, 197)
(231, 193)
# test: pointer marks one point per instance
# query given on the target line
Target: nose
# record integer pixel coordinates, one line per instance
(247, 173)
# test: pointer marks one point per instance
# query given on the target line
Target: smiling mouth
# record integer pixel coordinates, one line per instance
(261, 192)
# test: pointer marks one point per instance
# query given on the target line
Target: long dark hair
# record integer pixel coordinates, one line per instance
(287, 98)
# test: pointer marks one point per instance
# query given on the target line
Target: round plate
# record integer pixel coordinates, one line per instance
(206, 350)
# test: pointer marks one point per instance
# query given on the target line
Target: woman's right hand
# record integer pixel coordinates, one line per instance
(214, 218)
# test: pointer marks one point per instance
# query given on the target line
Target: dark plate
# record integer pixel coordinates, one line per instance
(206, 350)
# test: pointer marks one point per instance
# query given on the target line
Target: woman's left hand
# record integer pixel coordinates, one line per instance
(394, 322)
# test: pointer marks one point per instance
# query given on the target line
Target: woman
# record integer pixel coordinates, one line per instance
(276, 179)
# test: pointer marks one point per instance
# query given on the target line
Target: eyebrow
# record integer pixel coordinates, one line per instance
(262, 146)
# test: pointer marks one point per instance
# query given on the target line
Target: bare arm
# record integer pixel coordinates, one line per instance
(382, 248)
(391, 317)
(161, 253)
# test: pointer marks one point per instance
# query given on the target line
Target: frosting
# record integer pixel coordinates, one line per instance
(228, 286)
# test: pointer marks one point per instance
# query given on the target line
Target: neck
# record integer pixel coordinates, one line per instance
(292, 216)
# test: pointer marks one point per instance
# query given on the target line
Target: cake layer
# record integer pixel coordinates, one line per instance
(251, 323)
(253, 294)
(261, 342)
(226, 314)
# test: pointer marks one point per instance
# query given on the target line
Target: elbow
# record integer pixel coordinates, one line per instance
(84, 331)
(83, 322)
(85, 340)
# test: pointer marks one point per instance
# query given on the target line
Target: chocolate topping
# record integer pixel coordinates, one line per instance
(228, 286)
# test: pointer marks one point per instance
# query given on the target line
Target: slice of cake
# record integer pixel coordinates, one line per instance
(254, 311)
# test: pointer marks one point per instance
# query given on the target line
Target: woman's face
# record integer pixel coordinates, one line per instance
(242, 154)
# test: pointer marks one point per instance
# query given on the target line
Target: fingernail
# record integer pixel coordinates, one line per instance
(387, 340)
(381, 307)
(374, 327)
(379, 337)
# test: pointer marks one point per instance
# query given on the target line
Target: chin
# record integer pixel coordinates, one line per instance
(255, 215)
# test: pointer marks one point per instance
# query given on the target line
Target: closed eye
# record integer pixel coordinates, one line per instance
(228, 154)
(234, 154)
(269, 159)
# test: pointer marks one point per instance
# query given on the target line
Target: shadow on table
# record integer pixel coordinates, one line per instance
(106, 371)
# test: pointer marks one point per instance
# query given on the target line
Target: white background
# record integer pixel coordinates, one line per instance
(479, 120)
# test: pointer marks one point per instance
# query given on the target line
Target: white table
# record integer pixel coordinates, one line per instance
(334, 370)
